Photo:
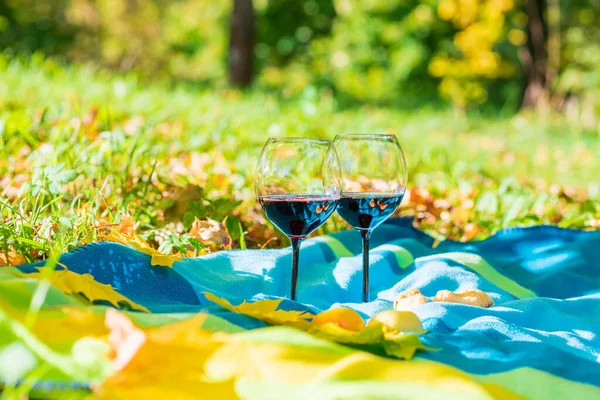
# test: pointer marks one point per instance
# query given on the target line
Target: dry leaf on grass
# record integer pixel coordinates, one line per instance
(11, 258)
(181, 201)
(127, 225)
(211, 234)
(125, 234)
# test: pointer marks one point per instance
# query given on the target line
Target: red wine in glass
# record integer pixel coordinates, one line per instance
(298, 215)
(365, 211)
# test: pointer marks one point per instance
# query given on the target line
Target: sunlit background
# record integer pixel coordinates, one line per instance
(158, 109)
(465, 53)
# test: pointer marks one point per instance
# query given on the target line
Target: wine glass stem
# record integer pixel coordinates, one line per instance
(365, 239)
(295, 257)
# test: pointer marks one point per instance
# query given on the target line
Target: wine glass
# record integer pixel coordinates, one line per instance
(374, 182)
(298, 185)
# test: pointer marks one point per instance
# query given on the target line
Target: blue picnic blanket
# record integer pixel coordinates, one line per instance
(540, 339)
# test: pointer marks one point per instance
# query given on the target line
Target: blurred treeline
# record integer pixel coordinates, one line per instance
(501, 53)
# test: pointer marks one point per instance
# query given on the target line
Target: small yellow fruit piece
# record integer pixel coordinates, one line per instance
(343, 317)
(409, 300)
(472, 297)
(398, 321)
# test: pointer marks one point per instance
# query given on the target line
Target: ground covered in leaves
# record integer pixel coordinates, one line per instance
(86, 155)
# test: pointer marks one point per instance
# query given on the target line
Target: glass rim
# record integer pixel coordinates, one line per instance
(297, 139)
(358, 136)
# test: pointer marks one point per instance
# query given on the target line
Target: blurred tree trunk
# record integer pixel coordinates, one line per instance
(533, 56)
(241, 45)
(541, 56)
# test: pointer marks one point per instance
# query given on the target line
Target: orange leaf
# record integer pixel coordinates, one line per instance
(127, 225)
(12, 258)
(211, 234)
(125, 339)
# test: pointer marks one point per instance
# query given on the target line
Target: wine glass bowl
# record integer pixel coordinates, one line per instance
(298, 185)
(302, 166)
(374, 182)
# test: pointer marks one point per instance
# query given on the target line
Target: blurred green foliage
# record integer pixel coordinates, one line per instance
(377, 51)
(28, 25)
(482, 57)
(287, 28)
(402, 52)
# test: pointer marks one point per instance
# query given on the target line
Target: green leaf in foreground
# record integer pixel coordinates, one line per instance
(16, 361)
(20, 348)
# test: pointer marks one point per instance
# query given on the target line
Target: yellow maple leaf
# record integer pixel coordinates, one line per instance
(400, 345)
(162, 363)
(335, 333)
(265, 310)
(125, 234)
(70, 282)
(396, 344)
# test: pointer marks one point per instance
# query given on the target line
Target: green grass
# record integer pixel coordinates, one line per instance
(79, 147)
